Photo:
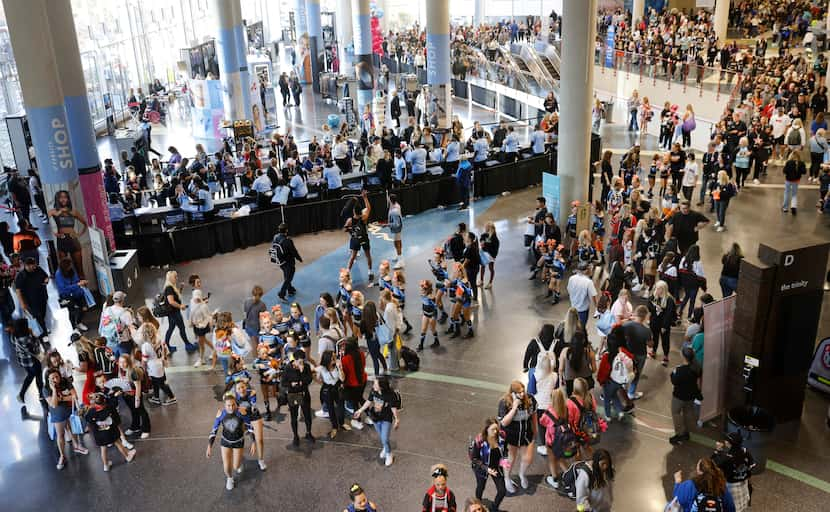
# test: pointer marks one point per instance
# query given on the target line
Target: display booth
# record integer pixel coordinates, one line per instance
(207, 111)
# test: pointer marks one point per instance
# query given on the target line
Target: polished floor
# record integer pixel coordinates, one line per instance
(444, 404)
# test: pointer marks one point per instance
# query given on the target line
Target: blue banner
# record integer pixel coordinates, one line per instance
(50, 137)
(609, 47)
(438, 58)
(550, 191)
(226, 51)
(84, 148)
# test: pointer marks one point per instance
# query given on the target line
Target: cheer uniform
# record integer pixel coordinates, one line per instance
(300, 327)
(247, 403)
(234, 427)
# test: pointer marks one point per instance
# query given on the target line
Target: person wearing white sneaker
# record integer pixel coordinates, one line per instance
(234, 427)
(383, 404)
(395, 223)
(489, 242)
(246, 397)
(103, 421)
(517, 413)
(488, 453)
(724, 191)
(155, 355)
(353, 363)
(61, 398)
(202, 321)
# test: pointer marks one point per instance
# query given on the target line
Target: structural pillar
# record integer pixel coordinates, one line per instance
(301, 48)
(36, 53)
(345, 37)
(364, 69)
(315, 40)
(478, 12)
(576, 96)
(438, 62)
(81, 127)
(638, 10)
(231, 52)
(721, 21)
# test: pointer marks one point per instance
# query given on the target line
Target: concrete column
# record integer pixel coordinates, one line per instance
(315, 40)
(721, 21)
(345, 37)
(81, 128)
(827, 44)
(364, 69)
(637, 12)
(575, 101)
(232, 56)
(301, 47)
(478, 12)
(438, 62)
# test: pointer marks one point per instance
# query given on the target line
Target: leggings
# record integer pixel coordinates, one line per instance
(353, 396)
(174, 320)
(742, 173)
(35, 373)
(295, 409)
(815, 163)
(689, 297)
(334, 405)
(374, 351)
(501, 490)
(140, 418)
(663, 337)
(160, 383)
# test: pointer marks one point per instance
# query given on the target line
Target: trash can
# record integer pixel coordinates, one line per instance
(609, 111)
(756, 426)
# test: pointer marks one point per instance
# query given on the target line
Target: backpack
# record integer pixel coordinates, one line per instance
(605, 322)
(567, 484)
(565, 441)
(411, 360)
(707, 503)
(455, 247)
(588, 423)
(794, 137)
(277, 252)
(622, 369)
(110, 328)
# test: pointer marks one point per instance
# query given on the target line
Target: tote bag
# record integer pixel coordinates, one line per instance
(383, 332)
(76, 422)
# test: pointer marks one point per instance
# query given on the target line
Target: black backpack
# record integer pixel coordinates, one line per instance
(455, 247)
(707, 503)
(567, 484)
(277, 252)
(411, 360)
(565, 441)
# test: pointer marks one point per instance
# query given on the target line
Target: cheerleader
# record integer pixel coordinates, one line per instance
(234, 427)
(570, 230)
(554, 270)
(665, 167)
(647, 248)
(652, 174)
(281, 324)
(298, 323)
(104, 422)
(343, 299)
(268, 367)
(585, 250)
(357, 302)
(429, 310)
(462, 298)
(246, 403)
(399, 293)
(326, 301)
(438, 265)
(236, 372)
(385, 275)
(598, 229)
(670, 202)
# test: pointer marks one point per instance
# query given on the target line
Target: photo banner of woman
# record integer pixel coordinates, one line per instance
(303, 62)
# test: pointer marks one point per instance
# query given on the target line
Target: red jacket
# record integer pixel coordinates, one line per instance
(350, 372)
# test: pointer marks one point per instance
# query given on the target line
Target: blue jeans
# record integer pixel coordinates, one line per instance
(639, 364)
(632, 121)
(704, 188)
(383, 429)
(374, 350)
(288, 276)
(609, 393)
(720, 207)
(174, 320)
(223, 360)
(583, 317)
(728, 285)
(790, 194)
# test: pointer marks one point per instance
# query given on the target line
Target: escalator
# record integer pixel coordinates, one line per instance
(554, 73)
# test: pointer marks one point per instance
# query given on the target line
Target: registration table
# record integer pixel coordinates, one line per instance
(159, 245)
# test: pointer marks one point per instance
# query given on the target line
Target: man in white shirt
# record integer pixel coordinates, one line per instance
(124, 320)
(780, 122)
(689, 176)
(582, 292)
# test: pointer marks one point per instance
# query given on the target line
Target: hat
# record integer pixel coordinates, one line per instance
(120, 296)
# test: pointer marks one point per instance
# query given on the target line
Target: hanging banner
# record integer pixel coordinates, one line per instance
(550, 191)
(719, 318)
(208, 109)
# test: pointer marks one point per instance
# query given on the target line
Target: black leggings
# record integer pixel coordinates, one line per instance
(160, 383)
(140, 419)
(663, 337)
(334, 404)
(742, 173)
(815, 163)
(35, 373)
(501, 490)
(295, 410)
(174, 320)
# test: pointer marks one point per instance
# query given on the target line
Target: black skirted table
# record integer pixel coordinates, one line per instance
(157, 246)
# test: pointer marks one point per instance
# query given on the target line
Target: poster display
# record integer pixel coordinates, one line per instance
(208, 109)
(101, 261)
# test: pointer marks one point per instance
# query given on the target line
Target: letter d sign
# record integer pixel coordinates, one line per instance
(788, 260)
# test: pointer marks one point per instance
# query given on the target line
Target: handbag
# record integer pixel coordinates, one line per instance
(295, 399)
(34, 325)
(383, 332)
(90, 300)
(76, 422)
(161, 307)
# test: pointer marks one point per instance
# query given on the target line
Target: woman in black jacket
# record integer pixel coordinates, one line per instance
(794, 169)
(489, 250)
(471, 259)
(663, 312)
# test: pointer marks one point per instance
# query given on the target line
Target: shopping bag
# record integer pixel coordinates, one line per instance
(76, 422)
(90, 300)
(34, 325)
(383, 333)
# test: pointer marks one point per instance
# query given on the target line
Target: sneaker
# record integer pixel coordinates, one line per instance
(170, 401)
(399, 264)
(756, 182)
(107, 466)
(541, 450)
(171, 348)
(509, 486)
(20, 399)
(61, 463)
(262, 465)
(717, 224)
(333, 433)
(197, 363)
(296, 441)
(128, 445)
(674, 439)
(638, 395)
(552, 481)
(346, 427)
(154, 400)
(369, 421)
(793, 210)
(81, 450)
(371, 277)
(523, 481)
(383, 454)
(229, 484)
(720, 229)
(389, 459)
(81, 327)
(310, 437)
(130, 455)
(130, 432)
(785, 209)
(145, 435)
(665, 361)
(356, 425)
(282, 297)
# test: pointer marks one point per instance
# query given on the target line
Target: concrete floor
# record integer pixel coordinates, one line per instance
(444, 404)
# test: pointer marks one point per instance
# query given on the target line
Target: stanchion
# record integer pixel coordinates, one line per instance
(641, 69)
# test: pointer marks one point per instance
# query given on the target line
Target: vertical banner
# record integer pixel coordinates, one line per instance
(719, 319)
(609, 47)
(364, 69)
(315, 40)
(101, 262)
(208, 110)
(550, 191)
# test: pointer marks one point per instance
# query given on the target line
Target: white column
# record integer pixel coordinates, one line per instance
(721, 21)
(345, 37)
(478, 12)
(637, 12)
(575, 100)
(827, 44)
